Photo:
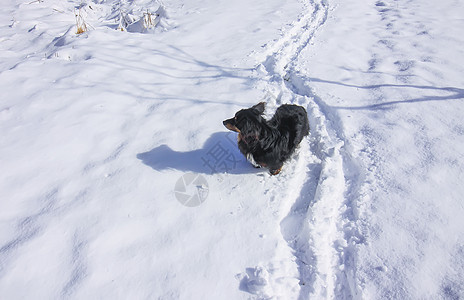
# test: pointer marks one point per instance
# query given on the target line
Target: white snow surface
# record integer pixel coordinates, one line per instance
(119, 180)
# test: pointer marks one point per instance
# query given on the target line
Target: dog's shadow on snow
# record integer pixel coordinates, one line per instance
(218, 155)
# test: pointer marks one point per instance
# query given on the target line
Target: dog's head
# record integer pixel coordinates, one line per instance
(248, 123)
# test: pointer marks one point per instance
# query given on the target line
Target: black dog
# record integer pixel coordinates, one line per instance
(269, 143)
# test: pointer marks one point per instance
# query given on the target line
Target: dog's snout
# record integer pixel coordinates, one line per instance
(230, 124)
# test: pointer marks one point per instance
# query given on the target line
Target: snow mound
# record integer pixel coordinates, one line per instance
(256, 281)
(129, 16)
(146, 22)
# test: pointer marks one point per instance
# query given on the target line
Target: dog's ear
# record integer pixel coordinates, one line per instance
(260, 107)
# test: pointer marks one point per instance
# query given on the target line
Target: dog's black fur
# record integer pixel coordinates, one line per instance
(269, 143)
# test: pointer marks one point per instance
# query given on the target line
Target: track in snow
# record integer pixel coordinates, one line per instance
(318, 219)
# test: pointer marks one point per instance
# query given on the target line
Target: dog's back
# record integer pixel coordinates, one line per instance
(292, 119)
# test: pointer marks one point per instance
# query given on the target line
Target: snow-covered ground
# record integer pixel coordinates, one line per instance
(119, 180)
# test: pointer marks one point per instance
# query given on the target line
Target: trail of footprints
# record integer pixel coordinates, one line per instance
(314, 220)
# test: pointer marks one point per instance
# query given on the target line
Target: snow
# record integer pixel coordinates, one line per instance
(107, 134)
(398, 110)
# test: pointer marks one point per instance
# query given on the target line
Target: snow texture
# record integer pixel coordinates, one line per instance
(119, 180)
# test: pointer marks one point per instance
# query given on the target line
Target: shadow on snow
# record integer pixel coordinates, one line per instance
(453, 93)
(218, 155)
